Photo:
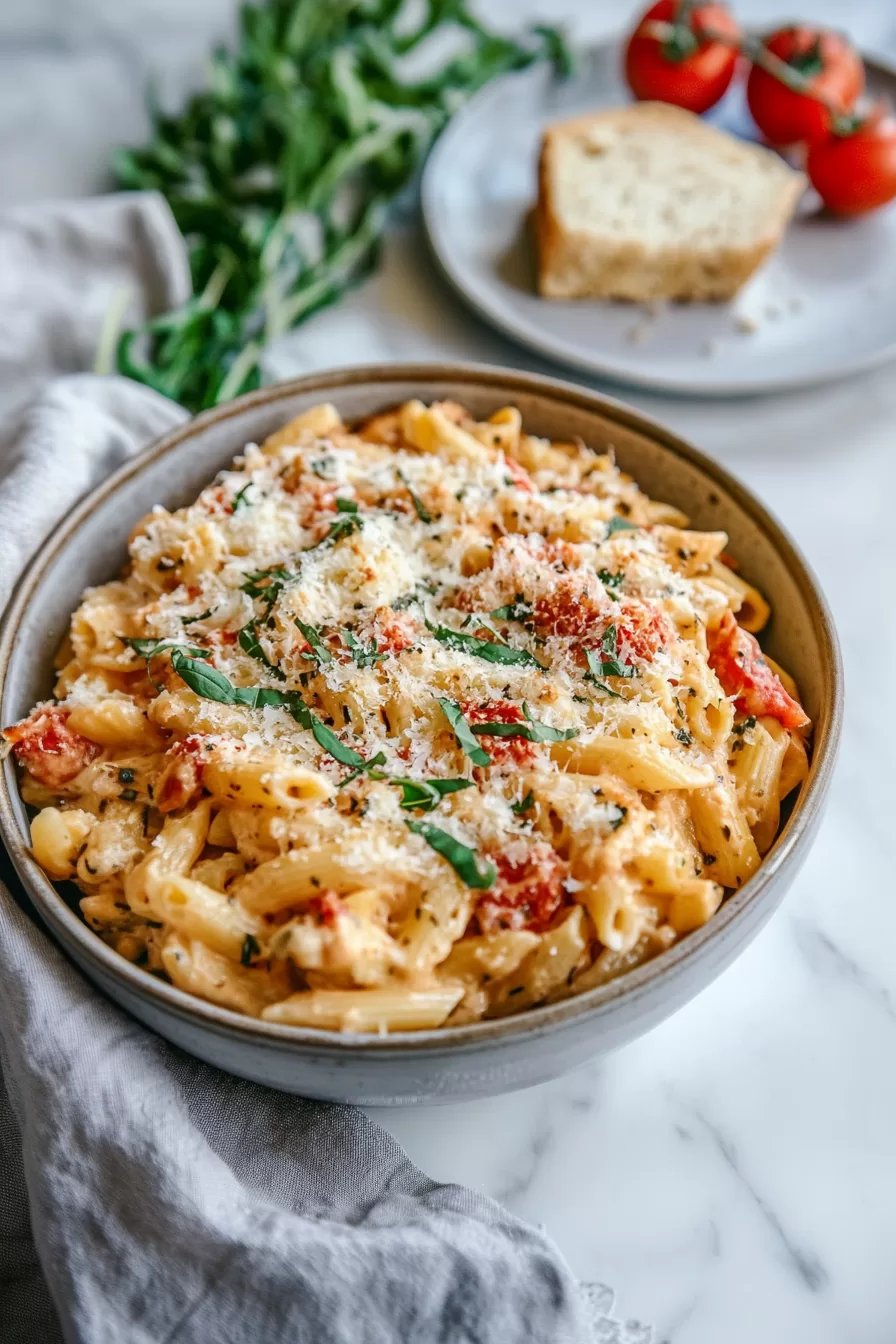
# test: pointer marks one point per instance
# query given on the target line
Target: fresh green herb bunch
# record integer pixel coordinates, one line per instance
(280, 174)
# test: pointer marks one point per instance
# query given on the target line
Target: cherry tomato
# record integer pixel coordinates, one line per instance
(833, 70)
(856, 172)
(693, 73)
(736, 659)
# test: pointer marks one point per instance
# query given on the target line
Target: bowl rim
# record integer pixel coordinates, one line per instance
(786, 852)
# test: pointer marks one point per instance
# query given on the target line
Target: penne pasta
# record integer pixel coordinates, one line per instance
(409, 724)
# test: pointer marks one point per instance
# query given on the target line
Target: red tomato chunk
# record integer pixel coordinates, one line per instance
(49, 749)
(528, 891)
(503, 750)
(181, 777)
(736, 659)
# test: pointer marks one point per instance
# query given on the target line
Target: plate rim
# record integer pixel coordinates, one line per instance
(527, 336)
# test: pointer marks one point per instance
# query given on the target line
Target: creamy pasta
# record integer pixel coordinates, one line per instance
(408, 724)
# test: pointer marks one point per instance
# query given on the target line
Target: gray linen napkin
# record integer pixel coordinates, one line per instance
(145, 1197)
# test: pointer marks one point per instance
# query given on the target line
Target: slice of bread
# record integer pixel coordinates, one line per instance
(649, 202)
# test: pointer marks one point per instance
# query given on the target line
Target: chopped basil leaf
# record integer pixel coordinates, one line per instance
(745, 725)
(483, 648)
(463, 860)
(422, 513)
(618, 524)
(463, 732)
(426, 794)
(203, 616)
(685, 738)
(517, 610)
(320, 652)
(363, 657)
(594, 667)
(148, 648)
(125, 776)
(250, 949)
(248, 639)
(520, 808)
(268, 583)
(533, 730)
(344, 525)
(364, 768)
(239, 500)
(213, 685)
(608, 665)
(609, 580)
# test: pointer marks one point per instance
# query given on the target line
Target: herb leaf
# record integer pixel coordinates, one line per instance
(612, 581)
(483, 648)
(533, 730)
(311, 105)
(422, 512)
(248, 640)
(517, 610)
(463, 732)
(346, 522)
(320, 652)
(268, 583)
(608, 665)
(519, 808)
(148, 648)
(463, 860)
(363, 657)
(213, 685)
(618, 524)
(426, 794)
(239, 500)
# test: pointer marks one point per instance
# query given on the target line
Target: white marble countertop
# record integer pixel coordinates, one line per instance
(731, 1174)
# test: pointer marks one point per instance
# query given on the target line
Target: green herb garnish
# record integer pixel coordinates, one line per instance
(343, 525)
(612, 581)
(426, 794)
(463, 732)
(684, 737)
(211, 684)
(248, 641)
(517, 610)
(422, 512)
(483, 648)
(527, 802)
(319, 651)
(203, 616)
(608, 664)
(533, 730)
(250, 949)
(618, 524)
(618, 817)
(363, 657)
(148, 648)
(311, 114)
(463, 860)
(240, 500)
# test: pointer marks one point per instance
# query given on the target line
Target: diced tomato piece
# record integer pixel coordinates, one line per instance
(574, 607)
(641, 628)
(396, 630)
(48, 749)
(221, 636)
(503, 750)
(519, 475)
(326, 907)
(181, 777)
(527, 893)
(736, 659)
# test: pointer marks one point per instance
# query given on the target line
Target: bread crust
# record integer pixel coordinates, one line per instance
(575, 264)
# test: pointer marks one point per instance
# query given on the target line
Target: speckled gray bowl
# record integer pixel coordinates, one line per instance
(427, 1066)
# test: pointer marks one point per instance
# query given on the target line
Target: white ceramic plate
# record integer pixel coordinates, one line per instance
(823, 306)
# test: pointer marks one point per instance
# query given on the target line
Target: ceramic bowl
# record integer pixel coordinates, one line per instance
(88, 547)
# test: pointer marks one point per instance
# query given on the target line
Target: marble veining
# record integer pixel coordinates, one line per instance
(732, 1173)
